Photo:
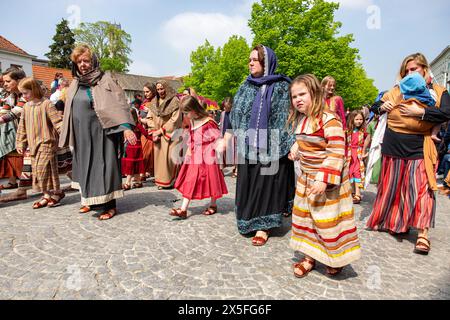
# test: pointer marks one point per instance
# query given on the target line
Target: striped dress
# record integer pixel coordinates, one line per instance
(38, 130)
(323, 226)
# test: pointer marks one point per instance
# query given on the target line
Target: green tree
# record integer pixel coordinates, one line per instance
(218, 73)
(203, 60)
(62, 46)
(304, 36)
(110, 43)
(233, 67)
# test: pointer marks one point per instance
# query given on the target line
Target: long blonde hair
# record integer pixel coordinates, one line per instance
(420, 59)
(315, 112)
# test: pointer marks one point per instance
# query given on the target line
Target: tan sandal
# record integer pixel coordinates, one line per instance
(301, 266)
(126, 187)
(422, 247)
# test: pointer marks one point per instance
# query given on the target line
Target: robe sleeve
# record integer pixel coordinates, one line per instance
(21, 136)
(332, 166)
(173, 124)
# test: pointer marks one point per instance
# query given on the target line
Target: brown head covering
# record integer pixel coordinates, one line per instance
(166, 107)
(91, 78)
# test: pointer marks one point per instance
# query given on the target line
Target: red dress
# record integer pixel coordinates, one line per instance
(133, 163)
(200, 176)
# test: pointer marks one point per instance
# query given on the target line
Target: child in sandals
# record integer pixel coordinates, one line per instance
(200, 176)
(39, 129)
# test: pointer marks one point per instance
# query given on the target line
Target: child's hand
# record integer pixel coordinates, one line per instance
(293, 157)
(435, 138)
(130, 137)
(365, 155)
(221, 147)
(318, 188)
(19, 150)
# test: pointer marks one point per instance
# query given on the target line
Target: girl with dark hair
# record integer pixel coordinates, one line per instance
(133, 163)
(200, 176)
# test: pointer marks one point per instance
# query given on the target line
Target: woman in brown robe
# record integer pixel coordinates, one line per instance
(164, 120)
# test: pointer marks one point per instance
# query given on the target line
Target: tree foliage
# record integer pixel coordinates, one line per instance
(304, 35)
(306, 39)
(110, 43)
(62, 46)
(218, 73)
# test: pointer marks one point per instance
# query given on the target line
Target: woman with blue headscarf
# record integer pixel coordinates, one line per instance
(266, 179)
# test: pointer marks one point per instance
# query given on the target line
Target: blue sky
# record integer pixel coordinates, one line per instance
(165, 32)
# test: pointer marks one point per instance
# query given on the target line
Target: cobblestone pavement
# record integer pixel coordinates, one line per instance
(143, 253)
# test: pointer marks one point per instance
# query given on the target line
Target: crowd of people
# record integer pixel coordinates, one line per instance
(294, 151)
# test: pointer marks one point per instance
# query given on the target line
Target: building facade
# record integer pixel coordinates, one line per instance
(440, 67)
(13, 56)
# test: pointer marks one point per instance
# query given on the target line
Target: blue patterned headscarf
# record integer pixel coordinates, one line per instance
(262, 104)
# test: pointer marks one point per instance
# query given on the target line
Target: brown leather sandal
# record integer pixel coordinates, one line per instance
(107, 215)
(52, 202)
(356, 199)
(304, 271)
(126, 187)
(85, 209)
(182, 214)
(260, 241)
(41, 203)
(212, 210)
(9, 186)
(422, 247)
(334, 271)
(138, 185)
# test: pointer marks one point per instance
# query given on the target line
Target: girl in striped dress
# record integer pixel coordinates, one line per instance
(39, 129)
(358, 145)
(323, 225)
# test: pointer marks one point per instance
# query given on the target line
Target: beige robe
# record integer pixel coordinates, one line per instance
(166, 150)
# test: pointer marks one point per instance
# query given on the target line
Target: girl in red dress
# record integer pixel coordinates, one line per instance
(358, 144)
(133, 164)
(200, 176)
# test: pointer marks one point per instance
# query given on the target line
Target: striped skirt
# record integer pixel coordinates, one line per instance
(404, 199)
(323, 226)
(45, 171)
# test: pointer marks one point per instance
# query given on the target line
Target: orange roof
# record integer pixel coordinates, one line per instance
(47, 74)
(7, 45)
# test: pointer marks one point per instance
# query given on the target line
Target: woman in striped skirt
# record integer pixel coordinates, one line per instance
(323, 225)
(407, 186)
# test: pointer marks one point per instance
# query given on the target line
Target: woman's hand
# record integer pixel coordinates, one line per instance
(318, 188)
(387, 106)
(130, 137)
(411, 110)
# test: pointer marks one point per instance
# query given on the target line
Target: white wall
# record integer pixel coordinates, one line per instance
(8, 59)
(440, 67)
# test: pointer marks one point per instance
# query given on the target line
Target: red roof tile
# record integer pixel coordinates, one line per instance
(47, 74)
(11, 47)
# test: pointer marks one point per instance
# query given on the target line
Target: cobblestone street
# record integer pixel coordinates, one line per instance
(143, 253)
